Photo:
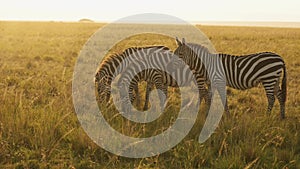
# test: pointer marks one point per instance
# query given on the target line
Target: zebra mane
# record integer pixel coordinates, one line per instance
(135, 49)
(197, 47)
(147, 47)
(246, 55)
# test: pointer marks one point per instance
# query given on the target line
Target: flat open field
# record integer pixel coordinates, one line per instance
(39, 127)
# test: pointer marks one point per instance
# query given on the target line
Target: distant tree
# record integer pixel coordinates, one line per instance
(85, 20)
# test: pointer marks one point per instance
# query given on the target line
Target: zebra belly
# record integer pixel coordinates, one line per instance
(243, 84)
(237, 81)
(178, 79)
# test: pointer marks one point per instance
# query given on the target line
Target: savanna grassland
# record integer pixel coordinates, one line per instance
(39, 127)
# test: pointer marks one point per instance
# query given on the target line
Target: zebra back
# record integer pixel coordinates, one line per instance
(154, 67)
(112, 64)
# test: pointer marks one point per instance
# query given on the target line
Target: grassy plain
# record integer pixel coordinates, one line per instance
(39, 127)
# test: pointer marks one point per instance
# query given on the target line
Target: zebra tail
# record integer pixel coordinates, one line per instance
(283, 84)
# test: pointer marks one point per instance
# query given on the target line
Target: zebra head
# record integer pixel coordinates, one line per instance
(185, 52)
(196, 56)
(181, 56)
(123, 85)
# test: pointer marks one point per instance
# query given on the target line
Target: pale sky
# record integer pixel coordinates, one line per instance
(189, 10)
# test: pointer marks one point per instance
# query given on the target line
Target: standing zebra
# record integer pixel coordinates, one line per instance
(153, 70)
(109, 66)
(240, 72)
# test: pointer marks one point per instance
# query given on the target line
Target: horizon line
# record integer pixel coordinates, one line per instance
(279, 24)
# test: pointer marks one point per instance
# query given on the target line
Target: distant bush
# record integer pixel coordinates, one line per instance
(86, 20)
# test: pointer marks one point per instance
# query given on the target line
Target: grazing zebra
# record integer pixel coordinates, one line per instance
(107, 69)
(152, 69)
(240, 72)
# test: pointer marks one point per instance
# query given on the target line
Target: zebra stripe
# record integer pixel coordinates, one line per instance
(153, 70)
(240, 72)
(108, 67)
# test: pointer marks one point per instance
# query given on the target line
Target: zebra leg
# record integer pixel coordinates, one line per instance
(282, 103)
(148, 89)
(271, 100)
(164, 89)
(124, 98)
(134, 96)
(203, 95)
(107, 95)
(270, 96)
(222, 92)
(108, 90)
(131, 97)
(280, 96)
(208, 98)
(137, 95)
(221, 88)
(203, 92)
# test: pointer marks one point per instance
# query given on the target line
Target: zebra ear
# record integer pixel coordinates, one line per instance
(178, 42)
(183, 41)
